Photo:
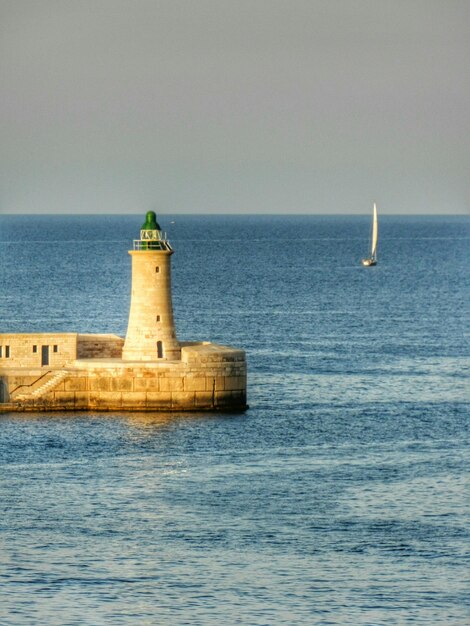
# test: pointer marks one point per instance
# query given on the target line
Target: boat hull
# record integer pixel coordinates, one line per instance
(369, 262)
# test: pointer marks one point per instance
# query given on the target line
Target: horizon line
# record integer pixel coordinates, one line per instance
(463, 214)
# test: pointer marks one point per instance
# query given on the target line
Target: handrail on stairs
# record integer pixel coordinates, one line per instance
(31, 384)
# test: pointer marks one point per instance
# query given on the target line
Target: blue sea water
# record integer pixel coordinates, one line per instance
(339, 497)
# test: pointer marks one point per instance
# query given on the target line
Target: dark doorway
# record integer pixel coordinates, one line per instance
(44, 355)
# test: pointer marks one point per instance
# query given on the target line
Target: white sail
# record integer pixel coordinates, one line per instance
(375, 233)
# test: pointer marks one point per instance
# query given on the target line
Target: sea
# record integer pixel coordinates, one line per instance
(341, 496)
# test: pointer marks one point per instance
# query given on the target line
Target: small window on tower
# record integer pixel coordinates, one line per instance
(1, 351)
(157, 318)
(56, 348)
(35, 348)
(159, 349)
(157, 269)
(7, 352)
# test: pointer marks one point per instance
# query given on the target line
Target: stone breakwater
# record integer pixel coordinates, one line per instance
(207, 377)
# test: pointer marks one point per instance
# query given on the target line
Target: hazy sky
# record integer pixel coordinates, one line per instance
(213, 106)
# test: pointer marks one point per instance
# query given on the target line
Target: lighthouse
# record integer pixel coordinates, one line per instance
(151, 334)
(148, 370)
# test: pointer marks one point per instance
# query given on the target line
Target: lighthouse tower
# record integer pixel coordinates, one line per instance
(151, 332)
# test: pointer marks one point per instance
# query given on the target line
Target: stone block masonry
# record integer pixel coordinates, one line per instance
(208, 377)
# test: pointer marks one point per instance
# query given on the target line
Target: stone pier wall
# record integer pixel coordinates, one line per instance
(208, 377)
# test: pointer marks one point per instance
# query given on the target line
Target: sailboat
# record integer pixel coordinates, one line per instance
(372, 260)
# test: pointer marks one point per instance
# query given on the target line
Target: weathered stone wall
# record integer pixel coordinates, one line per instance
(99, 347)
(208, 377)
(25, 349)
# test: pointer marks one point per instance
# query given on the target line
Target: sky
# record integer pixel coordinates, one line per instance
(235, 106)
